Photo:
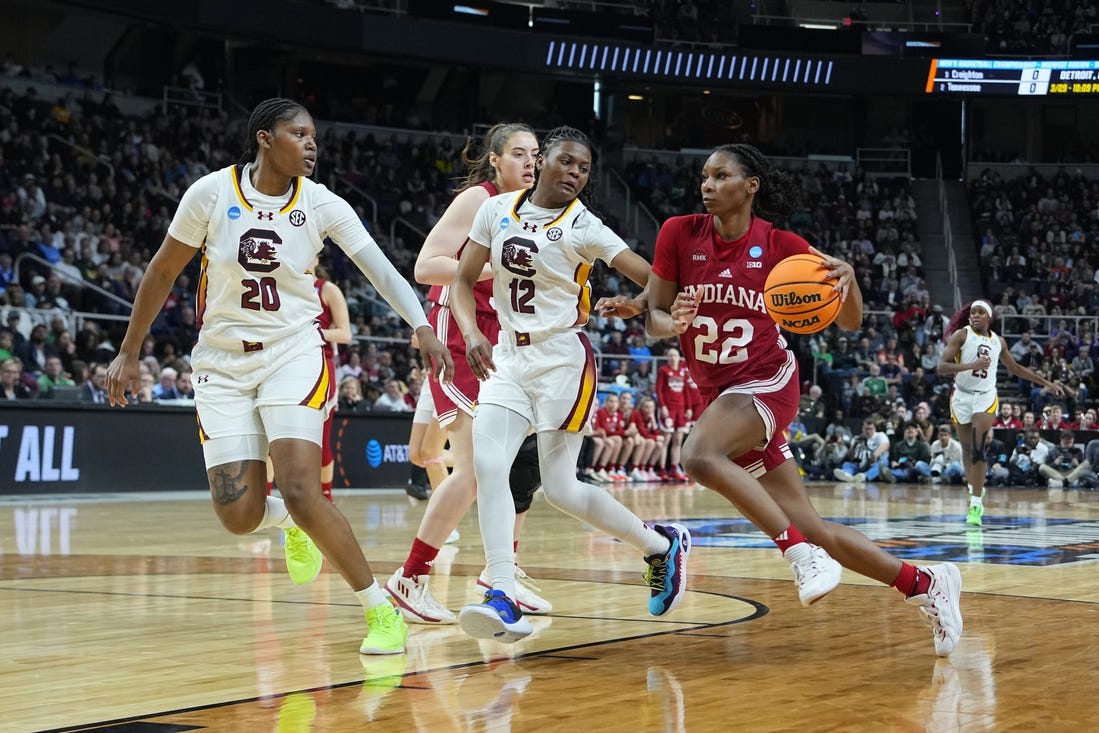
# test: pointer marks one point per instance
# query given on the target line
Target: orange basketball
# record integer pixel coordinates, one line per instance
(798, 296)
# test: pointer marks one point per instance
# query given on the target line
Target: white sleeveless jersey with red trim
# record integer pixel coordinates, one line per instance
(733, 340)
(257, 251)
(482, 292)
(973, 348)
(541, 259)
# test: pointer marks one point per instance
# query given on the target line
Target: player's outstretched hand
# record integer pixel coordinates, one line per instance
(435, 354)
(621, 306)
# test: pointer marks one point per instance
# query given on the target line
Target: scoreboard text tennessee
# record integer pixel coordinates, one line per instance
(1001, 77)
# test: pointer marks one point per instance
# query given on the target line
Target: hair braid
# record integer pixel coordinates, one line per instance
(265, 116)
(562, 134)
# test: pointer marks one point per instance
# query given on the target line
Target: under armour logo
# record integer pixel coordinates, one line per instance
(202, 379)
(265, 215)
(528, 227)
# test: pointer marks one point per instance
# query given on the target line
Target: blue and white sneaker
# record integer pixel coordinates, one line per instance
(496, 618)
(667, 574)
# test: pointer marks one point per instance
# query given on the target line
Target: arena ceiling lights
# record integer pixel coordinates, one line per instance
(687, 65)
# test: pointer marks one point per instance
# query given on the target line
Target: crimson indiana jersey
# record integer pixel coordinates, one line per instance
(482, 291)
(732, 340)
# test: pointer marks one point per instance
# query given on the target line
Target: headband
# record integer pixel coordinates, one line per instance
(982, 304)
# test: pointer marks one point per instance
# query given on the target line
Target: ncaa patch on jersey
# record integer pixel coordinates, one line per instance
(755, 251)
(504, 223)
(233, 213)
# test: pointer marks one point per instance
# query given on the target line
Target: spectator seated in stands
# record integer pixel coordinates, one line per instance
(1026, 458)
(52, 376)
(946, 458)
(1065, 462)
(1053, 418)
(392, 400)
(94, 390)
(803, 444)
(11, 382)
(351, 396)
(867, 456)
(909, 458)
(1006, 418)
(166, 388)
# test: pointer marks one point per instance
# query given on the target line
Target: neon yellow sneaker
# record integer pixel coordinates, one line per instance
(386, 630)
(296, 713)
(303, 559)
(382, 676)
(976, 511)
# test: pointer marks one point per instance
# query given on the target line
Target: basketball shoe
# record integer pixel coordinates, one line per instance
(974, 515)
(296, 713)
(415, 600)
(666, 575)
(303, 558)
(382, 675)
(386, 630)
(941, 606)
(526, 592)
(815, 572)
(497, 617)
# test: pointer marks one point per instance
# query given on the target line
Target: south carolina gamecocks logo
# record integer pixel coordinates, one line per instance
(258, 250)
(517, 256)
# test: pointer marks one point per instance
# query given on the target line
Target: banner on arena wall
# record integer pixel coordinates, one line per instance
(77, 449)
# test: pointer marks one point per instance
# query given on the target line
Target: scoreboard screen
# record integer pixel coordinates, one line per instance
(1012, 77)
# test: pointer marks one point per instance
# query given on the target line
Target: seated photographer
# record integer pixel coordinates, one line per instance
(1027, 456)
(946, 458)
(1065, 462)
(867, 457)
(909, 458)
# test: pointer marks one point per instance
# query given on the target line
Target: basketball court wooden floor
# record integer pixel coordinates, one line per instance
(138, 613)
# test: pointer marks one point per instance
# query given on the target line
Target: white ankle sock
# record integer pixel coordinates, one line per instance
(372, 596)
(275, 514)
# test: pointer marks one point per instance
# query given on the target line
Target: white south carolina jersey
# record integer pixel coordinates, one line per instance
(541, 259)
(974, 347)
(256, 252)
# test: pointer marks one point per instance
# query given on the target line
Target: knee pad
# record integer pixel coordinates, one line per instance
(526, 475)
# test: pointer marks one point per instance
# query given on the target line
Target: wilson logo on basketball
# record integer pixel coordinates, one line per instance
(785, 300)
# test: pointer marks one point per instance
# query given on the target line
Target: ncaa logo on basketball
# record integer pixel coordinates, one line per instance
(792, 323)
(233, 213)
(297, 217)
(554, 233)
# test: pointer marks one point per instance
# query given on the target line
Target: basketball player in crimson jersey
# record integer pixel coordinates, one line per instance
(707, 288)
(671, 391)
